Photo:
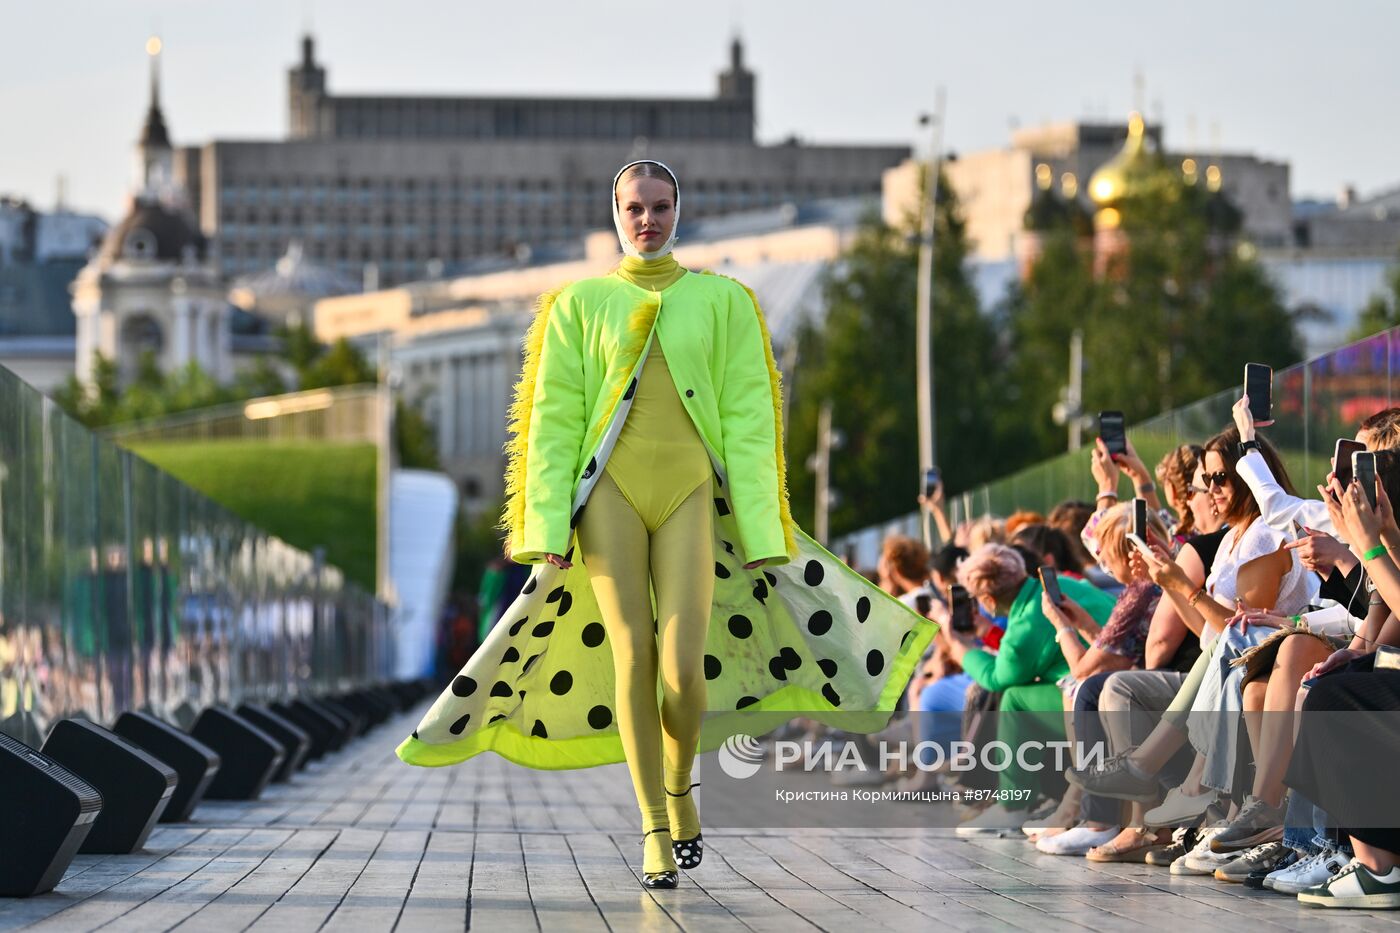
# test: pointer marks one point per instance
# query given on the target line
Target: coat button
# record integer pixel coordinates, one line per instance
(689, 393)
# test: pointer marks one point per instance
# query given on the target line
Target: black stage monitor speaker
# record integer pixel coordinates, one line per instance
(346, 727)
(295, 742)
(135, 785)
(250, 755)
(46, 811)
(406, 693)
(195, 763)
(362, 705)
(358, 724)
(318, 730)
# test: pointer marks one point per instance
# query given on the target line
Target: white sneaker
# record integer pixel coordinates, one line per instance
(1356, 887)
(1307, 872)
(1076, 841)
(1201, 860)
(996, 821)
(1179, 809)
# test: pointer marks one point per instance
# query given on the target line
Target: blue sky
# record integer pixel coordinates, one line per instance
(1314, 84)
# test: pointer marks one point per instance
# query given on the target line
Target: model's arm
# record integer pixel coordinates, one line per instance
(748, 424)
(558, 419)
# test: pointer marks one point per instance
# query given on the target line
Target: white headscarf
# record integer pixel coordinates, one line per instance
(627, 246)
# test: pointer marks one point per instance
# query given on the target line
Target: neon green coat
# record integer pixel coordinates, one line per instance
(803, 635)
(578, 367)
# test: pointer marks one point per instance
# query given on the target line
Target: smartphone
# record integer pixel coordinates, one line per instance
(923, 602)
(1341, 459)
(1111, 429)
(960, 617)
(1259, 386)
(1140, 543)
(1050, 581)
(931, 479)
(1308, 684)
(1140, 518)
(1299, 532)
(1363, 467)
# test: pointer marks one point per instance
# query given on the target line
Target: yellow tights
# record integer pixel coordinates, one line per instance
(621, 538)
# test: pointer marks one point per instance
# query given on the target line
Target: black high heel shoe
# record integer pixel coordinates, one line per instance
(688, 852)
(659, 879)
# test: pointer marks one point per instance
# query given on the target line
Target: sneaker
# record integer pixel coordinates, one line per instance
(1262, 858)
(1356, 886)
(1306, 872)
(1256, 878)
(1114, 778)
(995, 821)
(1075, 841)
(1183, 841)
(1179, 809)
(1256, 823)
(1201, 860)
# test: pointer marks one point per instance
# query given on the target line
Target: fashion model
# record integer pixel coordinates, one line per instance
(674, 601)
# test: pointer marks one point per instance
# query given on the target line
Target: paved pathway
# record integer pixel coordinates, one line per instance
(359, 842)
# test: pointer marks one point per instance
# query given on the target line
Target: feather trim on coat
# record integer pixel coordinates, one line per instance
(518, 421)
(775, 377)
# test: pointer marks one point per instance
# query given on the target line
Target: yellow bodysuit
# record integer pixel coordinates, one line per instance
(647, 526)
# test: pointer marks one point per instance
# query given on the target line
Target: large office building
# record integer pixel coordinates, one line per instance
(400, 189)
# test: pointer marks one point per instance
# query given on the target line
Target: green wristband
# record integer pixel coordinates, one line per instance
(1374, 552)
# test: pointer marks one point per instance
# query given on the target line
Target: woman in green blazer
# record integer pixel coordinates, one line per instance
(646, 482)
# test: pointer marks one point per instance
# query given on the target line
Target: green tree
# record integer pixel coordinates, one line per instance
(1172, 316)
(415, 440)
(1058, 297)
(339, 365)
(861, 357)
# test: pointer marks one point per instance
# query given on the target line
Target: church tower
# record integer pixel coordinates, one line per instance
(153, 290)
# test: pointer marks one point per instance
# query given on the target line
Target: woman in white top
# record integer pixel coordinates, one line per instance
(1252, 570)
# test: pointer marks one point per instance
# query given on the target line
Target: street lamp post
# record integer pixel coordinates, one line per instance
(923, 324)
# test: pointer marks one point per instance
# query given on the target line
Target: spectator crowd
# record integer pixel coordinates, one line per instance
(1234, 670)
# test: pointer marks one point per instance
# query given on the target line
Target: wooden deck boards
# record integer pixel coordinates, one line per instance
(359, 842)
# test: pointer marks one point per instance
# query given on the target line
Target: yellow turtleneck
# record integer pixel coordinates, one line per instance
(654, 275)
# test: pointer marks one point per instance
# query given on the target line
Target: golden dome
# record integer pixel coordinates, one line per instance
(1114, 178)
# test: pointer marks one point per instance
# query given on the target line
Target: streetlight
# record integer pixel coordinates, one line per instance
(923, 325)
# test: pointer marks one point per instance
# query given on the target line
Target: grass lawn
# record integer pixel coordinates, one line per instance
(309, 495)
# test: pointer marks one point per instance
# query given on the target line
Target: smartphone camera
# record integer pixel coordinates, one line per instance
(1113, 432)
(960, 616)
(931, 480)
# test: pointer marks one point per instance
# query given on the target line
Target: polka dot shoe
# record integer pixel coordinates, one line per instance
(664, 879)
(688, 852)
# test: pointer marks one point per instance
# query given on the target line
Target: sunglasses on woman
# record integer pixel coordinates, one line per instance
(1219, 480)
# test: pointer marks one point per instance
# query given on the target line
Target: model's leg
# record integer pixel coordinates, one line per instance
(681, 561)
(614, 544)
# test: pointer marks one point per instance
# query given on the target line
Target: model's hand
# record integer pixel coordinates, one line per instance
(755, 563)
(559, 561)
